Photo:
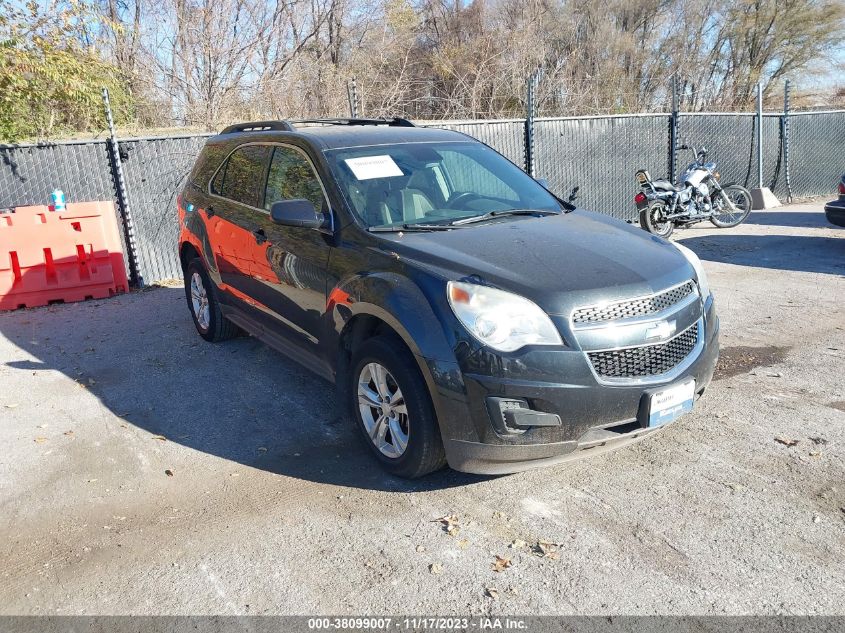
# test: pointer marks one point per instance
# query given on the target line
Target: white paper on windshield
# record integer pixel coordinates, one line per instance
(369, 167)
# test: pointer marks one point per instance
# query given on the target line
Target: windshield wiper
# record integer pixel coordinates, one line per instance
(498, 214)
(392, 228)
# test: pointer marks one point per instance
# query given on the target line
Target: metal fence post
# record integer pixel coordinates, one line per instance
(759, 135)
(786, 88)
(352, 94)
(135, 278)
(673, 132)
(529, 123)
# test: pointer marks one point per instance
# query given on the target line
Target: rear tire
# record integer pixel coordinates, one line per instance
(650, 220)
(201, 294)
(741, 199)
(401, 429)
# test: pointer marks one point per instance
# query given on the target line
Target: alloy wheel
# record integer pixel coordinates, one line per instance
(383, 410)
(199, 301)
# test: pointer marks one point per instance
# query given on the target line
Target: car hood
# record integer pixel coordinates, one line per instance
(560, 262)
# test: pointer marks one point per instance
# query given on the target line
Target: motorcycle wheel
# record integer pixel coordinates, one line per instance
(723, 216)
(651, 220)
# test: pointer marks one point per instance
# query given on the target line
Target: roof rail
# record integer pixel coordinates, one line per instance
(395, 121)
(258, 126)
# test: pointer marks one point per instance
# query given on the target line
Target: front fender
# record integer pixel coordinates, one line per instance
(422, 325)
(401, 304)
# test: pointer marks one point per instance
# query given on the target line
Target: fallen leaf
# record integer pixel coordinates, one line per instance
(449, 523)
(420, 548)
(786, 441)
(815, 453)
(40, 440)
(168, 472)
(492, 592)
(463, 543)
(518, 544)
(501, 564)
(160, 438)
(547, 549)
(435, 568)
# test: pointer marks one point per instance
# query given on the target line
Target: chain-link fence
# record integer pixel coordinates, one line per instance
(599, 155)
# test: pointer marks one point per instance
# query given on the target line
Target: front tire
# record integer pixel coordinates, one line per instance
(204, 306)
(392, 408)
(727, 217)
(651, 219)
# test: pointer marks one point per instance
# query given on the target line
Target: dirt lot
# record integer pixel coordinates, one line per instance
(146, 471)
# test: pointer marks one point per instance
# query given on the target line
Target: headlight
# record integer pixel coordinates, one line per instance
(502, 320)
(695, 262)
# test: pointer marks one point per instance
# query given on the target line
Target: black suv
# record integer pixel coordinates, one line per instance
(466, 314)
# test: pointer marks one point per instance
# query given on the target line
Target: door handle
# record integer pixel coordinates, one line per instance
(260, 236)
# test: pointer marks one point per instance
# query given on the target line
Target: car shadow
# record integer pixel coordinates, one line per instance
(239, 400)
(803, 253)
(809, 219)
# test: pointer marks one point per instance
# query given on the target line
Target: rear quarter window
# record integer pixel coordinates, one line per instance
(208, 161)
(241, 178)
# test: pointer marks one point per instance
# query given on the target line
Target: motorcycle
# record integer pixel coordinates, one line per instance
(663, 205)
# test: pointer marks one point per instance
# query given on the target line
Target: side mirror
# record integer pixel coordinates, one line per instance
(296, 213)
(542, 182)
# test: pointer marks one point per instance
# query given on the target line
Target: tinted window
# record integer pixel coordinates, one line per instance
(291, 177)
(209, 160)
(241, 177)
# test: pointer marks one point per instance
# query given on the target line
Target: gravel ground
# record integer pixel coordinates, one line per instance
(145, 471)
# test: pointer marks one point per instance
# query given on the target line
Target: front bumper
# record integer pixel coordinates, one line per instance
(835, 211)
(595, 417)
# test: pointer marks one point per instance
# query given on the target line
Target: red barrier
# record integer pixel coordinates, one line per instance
(71, 255)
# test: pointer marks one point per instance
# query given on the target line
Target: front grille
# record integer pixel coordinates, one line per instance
(634, 307)
(649, 360)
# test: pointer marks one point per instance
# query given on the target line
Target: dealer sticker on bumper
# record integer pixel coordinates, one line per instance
(671, 403)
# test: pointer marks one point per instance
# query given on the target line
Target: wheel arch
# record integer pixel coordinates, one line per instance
(391, 305)
(187, 252)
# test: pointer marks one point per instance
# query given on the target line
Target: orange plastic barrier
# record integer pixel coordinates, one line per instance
(71, 255)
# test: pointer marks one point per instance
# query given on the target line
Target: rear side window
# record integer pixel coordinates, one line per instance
(291, 177)
(209, 160)
(242, 176)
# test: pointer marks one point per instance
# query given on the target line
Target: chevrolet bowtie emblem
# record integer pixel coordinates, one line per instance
(661, 330)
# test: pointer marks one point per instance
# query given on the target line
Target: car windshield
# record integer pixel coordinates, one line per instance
(434, 183)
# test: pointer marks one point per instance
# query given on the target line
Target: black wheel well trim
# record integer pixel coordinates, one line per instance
(365, 325)
(187, 252)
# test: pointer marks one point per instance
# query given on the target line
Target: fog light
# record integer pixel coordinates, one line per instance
(512, 416)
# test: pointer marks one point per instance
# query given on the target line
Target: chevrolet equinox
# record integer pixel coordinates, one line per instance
(467, 315)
